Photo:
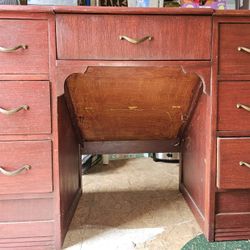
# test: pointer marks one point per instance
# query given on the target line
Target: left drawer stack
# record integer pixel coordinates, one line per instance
(26, 220)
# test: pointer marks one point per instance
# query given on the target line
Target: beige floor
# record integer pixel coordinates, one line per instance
(131, 204)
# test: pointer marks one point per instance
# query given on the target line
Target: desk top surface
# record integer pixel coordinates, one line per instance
(121, 10)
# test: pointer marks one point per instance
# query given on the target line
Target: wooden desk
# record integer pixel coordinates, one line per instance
(39, 140)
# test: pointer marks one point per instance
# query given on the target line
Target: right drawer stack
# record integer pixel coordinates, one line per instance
(233, 125)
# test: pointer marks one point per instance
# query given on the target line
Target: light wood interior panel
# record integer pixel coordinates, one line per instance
(131, 103)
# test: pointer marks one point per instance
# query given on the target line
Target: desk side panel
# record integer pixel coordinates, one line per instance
(196, 158)
(69, 166)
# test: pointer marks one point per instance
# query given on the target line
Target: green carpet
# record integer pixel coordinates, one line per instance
(200, 243)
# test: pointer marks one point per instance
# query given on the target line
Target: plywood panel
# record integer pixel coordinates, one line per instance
(131, 103)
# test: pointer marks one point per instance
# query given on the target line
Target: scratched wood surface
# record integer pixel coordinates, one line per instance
(131, 103)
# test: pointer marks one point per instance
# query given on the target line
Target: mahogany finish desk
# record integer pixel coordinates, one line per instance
(38, 144)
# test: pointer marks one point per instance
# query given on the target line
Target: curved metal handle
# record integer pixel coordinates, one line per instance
(15, 172)
(244, 49)
(8, 50)
(13, 111)
(242, 163)
(242, 106)
(135, 40)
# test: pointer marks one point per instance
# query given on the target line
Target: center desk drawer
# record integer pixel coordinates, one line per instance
(111, 37)
(35, 57)
(25, 107)
(233, 163)
(234, 48)
(25, 167)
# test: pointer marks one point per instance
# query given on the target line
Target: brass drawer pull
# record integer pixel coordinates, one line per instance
(244, 49)
(8, 50)
(242, 163)
(134, 40)
(13, 111)
(15, 172)
(242, 106)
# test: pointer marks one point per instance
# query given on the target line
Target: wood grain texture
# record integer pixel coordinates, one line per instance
(84, 37)
(35, 120)
(230, 175)
(26, 229)
(25, 137)
(232, 196)
(241, 233)
(180, 35)
(131, 103)
(40, 243)
(235, 201)
(233, 220)
(24, 232)
(16, 77)
(232, 61)
(233, 77)
(65, 68)
(232, 236)
(241, 133)
(70, 167)
(37, 154)
(199, 216)
(195, 153)
(231, 13)
(230, 118)
(31, 210)
(34, 34)
(212, 113)
(19, 10)
(123, 147)
(30, 9)
(27, 196)
(201, 70)
(129, 11)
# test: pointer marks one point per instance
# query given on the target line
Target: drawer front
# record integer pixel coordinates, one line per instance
(231, 60)
(35, 235)
(14, 156)
(233, 163)
(98, 37)
(34, 34)
(234, 106)
(36, 119)
(10, 210)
